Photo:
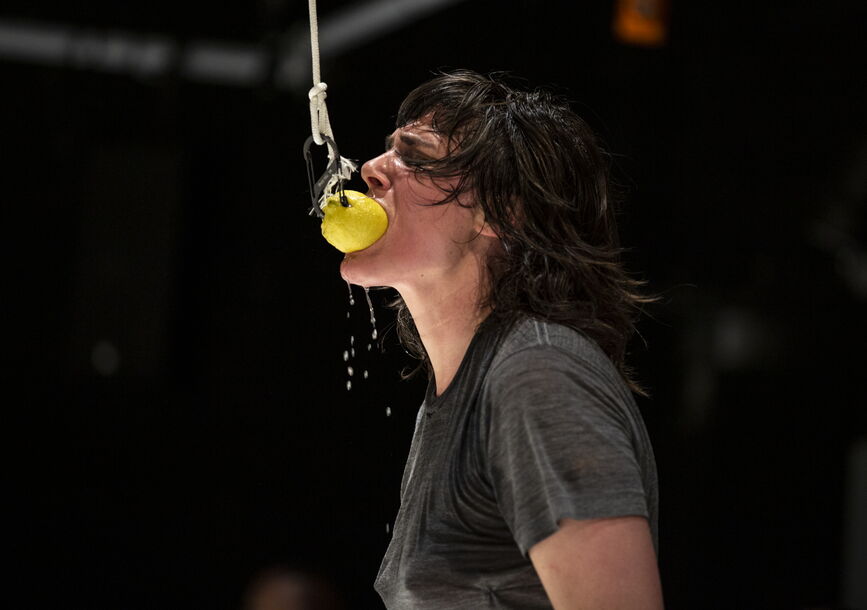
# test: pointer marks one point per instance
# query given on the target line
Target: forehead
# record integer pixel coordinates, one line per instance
(418, 135)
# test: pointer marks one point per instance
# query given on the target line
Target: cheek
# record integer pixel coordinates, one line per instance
(425, 228)
(412, 241)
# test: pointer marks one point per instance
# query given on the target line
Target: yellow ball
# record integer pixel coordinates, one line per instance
(356, 227)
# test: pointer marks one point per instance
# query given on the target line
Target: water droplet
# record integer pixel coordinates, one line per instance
(347, 315)
(348, 385)
(373, 334)
(365, 374)
(351, 299)
(368, 347)
(345, 355)
(350, 371)
(372, 316)
(387, 528)
(388, 411)
(352, 352)
(351, 339)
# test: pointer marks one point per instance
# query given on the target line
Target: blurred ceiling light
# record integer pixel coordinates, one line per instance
(234, 64)
(106, 51)
(349, 29)
(241, 65)
(37, 44)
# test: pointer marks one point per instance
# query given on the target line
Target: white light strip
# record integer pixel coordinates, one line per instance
(202, 61)
(366, 21)
(38, 44)
(119, 52)
(226, 64)
(350, 28)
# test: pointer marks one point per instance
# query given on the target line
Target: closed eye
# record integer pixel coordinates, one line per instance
(408, 147)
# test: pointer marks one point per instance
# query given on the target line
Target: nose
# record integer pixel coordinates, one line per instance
(375, 174)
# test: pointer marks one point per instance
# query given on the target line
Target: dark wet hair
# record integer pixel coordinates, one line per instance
(542, 180)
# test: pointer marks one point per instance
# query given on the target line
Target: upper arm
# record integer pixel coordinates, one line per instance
(559, 444)
(599, 563)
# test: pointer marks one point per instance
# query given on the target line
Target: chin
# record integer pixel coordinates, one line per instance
(354, 272)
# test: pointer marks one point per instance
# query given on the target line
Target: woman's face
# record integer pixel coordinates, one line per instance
(424, 243)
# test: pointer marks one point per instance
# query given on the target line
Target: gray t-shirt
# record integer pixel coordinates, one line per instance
(537, 425)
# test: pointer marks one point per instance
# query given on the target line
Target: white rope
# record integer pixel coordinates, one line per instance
(320, 125)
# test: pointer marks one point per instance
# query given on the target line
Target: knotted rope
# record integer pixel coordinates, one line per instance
(320, 126)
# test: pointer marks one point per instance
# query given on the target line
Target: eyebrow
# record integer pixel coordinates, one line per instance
(409, 140)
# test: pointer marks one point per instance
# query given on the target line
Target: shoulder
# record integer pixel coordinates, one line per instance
(539, 345)
(542, 365)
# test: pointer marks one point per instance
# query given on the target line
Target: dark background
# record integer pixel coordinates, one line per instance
(176, 412)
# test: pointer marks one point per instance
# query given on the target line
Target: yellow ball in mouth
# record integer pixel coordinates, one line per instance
(356, 227)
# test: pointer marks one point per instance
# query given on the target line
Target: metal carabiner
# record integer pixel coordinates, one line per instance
(317, 185)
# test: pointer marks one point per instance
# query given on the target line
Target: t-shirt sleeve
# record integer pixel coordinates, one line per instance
(559, 443)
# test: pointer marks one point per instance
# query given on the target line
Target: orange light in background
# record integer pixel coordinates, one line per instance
(641, 22)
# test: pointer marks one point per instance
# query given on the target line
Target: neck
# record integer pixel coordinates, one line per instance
(447, 316)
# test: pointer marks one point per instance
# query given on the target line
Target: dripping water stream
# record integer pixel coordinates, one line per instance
(372, 316)
(373, 333)
(350, 353)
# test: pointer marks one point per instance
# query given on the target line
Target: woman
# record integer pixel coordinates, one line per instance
(531, 481)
